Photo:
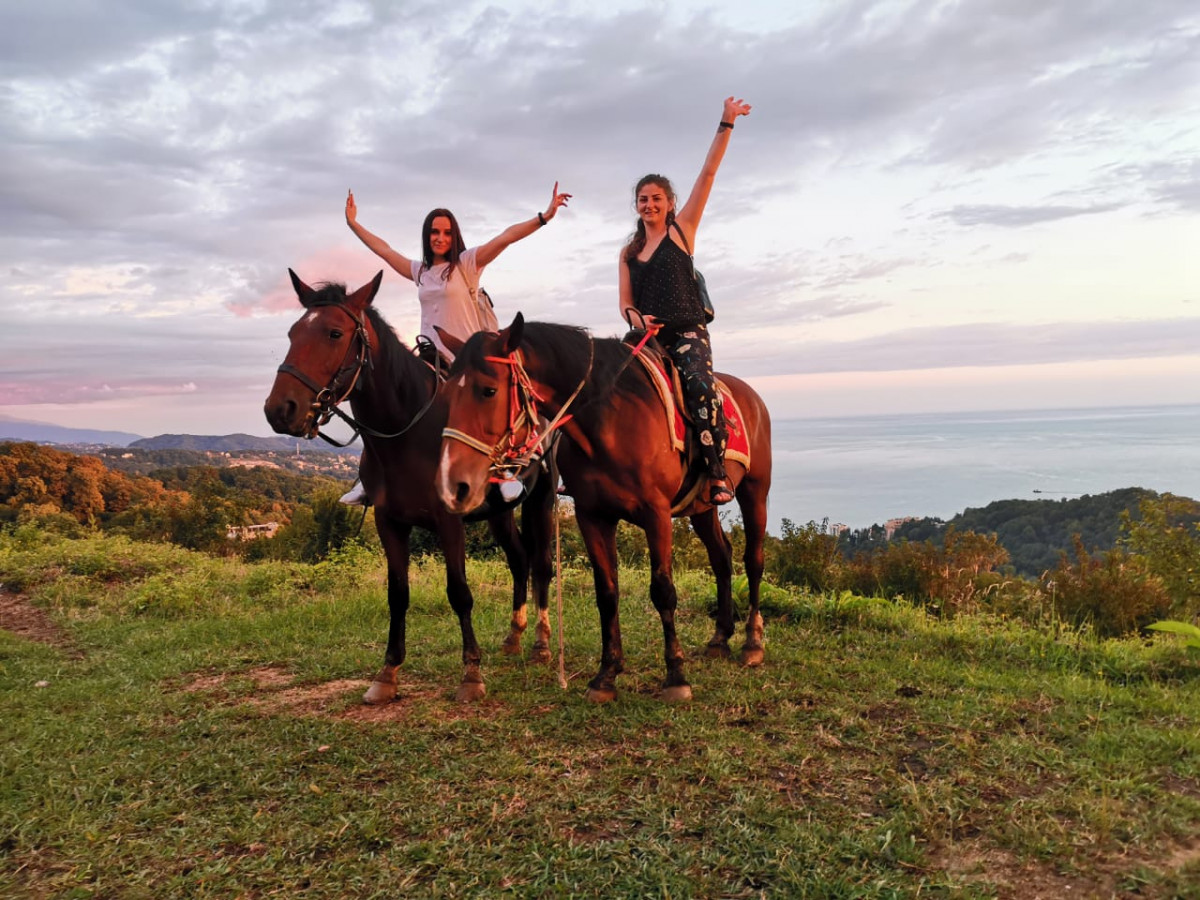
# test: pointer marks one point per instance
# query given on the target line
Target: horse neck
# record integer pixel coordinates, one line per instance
(392, 389)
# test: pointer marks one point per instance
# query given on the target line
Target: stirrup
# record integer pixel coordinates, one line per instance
(721, 493)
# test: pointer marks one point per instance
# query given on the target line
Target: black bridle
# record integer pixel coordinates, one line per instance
(324, 407)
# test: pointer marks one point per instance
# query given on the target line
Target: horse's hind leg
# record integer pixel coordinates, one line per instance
(752, 499)
(504, 532)
(707, 526)
(394, 537)
(537, 519)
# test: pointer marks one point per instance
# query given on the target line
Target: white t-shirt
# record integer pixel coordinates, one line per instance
(448, 303)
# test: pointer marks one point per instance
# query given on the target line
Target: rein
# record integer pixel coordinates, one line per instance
(324, 407)
(510, 454)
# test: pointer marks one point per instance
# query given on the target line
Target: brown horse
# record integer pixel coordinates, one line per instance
(617, 462)
(342, 348)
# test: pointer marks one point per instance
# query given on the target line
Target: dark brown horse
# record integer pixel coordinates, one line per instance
(617, 462)
(342, 348)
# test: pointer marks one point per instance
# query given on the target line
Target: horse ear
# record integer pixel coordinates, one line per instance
(362, 298)
(453, 344)
(303, 291)
(511, 336)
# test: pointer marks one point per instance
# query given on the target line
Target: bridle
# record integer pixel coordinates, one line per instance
(511, 454)
(324, 407)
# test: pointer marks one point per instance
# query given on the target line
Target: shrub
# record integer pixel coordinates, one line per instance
(1115, 593)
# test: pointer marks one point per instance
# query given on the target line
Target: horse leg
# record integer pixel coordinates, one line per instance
(394, 537)
(707, 526)
(537, 518)
(600, 539)
(752, 500)
(675, 688)
(453, 540)
(504, 531)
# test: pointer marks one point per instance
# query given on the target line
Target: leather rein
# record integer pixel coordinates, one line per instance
(324, 407)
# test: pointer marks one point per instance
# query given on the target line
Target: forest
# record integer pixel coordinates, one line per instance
(1115, 561)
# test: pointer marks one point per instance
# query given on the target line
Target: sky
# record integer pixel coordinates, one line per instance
(933, 206)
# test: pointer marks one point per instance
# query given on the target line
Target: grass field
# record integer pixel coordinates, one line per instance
(178, 726)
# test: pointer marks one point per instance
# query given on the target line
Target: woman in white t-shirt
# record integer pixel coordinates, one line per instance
(447, 276)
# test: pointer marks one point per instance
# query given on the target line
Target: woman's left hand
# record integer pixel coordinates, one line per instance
(556, 200)
(735, 108)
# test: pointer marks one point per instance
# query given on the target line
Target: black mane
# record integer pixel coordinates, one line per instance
(562, 351)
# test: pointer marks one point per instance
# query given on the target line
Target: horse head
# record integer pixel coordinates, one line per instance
(482, 393)
(329, 345)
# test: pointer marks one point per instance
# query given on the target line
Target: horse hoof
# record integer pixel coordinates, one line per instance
(718, 650)
(540, 655)
(752, 658)
(379, 693)
(677, 693)
(511, 646)
(601, 695)
(470, 692)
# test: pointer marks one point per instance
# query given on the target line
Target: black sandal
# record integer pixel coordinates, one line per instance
(720, 493)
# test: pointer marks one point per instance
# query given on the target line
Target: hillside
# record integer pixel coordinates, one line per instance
(42, 433)
(229, 443)
(1036, 532)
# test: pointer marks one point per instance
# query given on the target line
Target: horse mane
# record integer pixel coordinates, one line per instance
(404, 372)
(563, 353)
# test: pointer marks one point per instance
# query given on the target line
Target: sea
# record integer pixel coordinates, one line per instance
(859, 471)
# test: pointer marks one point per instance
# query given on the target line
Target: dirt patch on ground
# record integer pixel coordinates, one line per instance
(974, 863)
(25, 620)
(277, 693)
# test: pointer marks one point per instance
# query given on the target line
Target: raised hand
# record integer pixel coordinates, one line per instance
(735, 108)
(351, 209)
(556, 200)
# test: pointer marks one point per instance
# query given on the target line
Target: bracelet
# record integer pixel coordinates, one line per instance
(725, 125)
(541, 220)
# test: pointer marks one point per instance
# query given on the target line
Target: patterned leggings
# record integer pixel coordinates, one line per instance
(691, 352)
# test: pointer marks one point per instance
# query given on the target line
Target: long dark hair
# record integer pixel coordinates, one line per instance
(638, 239)
(457, 245)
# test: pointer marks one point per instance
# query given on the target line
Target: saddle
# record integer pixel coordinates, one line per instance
(665, 378)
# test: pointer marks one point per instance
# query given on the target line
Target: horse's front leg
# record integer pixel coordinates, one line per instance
(394, 537)
(537, 524)
(707, 526)
(662, 592)
(453, 540)
(504, 532)
(600, 539)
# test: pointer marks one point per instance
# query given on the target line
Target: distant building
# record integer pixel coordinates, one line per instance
(250, 532)
(891, 525)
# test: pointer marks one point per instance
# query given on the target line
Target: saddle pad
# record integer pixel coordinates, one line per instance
(737, 447)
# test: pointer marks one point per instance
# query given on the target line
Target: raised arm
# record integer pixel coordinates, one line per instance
(689, 215)
(376, 244)
(513, 233)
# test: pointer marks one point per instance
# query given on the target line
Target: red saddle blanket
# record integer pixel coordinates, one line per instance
(737, 448)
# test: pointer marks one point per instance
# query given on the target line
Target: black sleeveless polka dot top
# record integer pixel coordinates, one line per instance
(663, 286)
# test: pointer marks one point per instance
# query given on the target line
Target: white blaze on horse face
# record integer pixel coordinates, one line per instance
(310, 316)
(444, 477)
(462, 380)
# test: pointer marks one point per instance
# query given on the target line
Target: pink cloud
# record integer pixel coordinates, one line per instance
(350, 265)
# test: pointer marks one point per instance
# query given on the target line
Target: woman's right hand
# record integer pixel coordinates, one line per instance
(351, 209)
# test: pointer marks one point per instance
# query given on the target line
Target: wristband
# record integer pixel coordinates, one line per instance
(725, 125)
(541, 220)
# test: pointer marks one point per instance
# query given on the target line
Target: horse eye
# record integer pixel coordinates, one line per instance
(336, 334)
(489, 392)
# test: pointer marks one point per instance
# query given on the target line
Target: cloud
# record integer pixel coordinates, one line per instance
(1019, 216)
